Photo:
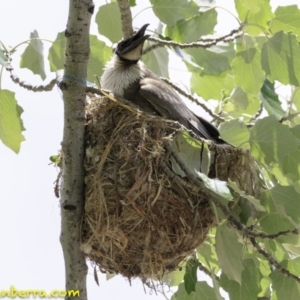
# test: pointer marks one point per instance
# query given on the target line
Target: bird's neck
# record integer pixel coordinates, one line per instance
(126, 61)
(119, 75)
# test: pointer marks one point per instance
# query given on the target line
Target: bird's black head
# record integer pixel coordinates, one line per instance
(131, 49)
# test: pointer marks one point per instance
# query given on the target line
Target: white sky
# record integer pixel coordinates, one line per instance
(31, 255)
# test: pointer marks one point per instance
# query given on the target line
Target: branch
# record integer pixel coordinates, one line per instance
(72, 192)
(126, 18)
(273, 261)
(202, 268)
(202, 43)
(258, 114)
(39, 88)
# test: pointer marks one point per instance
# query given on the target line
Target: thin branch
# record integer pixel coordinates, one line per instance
(258, 114)
(126, 18)
(289, 117)
(26, 85)
(206, 271)
(94, 90)
(248, 231)
(202, 43)
(193, 99)
(273, 261)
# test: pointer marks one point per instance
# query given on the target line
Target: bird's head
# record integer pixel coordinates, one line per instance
(131, 49)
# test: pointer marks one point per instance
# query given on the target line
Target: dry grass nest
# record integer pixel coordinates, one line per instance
(141, 219)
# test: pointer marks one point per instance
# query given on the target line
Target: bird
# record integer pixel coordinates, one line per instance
(125, 75)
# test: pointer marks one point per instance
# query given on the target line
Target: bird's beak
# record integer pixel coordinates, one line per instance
(131, 43)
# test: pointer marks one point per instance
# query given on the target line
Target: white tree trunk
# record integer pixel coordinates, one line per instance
(72, 191)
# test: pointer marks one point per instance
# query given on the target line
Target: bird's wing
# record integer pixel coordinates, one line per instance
(168, 104)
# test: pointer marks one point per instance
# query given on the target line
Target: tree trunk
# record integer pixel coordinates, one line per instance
(72, 191)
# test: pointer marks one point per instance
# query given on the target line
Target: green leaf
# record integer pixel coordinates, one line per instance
(207, 255)
(270, 141)
(246, 41)
(190, 276)
(285, 197)
(132, 3)
(296, 98)
(174, 278)
(203, 292)
(270, 100)
(240, 98)
(217, 186)
(281, 203)
(33, 56)
(254, 5)
(56, 159)
(235, 132)
(287, 18)
(293, 265)
(240, 104)
(170, 11)
(272, 222)
(249, 287)
(255, 202)
(11, 125)
(230, 252)
(217, 288)
(296, 131)
(291, 165)
(285, 287)
(256, 16)
(209, 86)
(280, 58)
(248, 73)
(158, 61)
(265, 282)
(190, 30)
(99, 56)
(192, 152)
(3, 58)
(109, 23)
(214, 60)
(56, 54)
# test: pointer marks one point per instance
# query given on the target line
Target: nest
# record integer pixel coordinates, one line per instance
(141, 219)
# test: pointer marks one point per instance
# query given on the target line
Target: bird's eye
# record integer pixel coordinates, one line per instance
(122, 45)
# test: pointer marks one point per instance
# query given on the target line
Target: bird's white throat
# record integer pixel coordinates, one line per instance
(118, 75)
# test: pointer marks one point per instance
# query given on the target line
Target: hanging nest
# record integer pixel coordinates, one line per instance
(141, 218)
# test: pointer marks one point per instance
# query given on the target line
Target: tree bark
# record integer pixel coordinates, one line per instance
(126, 18)
(72, 191)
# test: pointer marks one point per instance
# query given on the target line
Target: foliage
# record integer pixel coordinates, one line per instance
(241, 75)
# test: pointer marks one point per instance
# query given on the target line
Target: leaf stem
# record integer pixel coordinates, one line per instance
(225, 9)
(141, 11)
(18, 45)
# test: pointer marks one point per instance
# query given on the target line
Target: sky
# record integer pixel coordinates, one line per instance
(31, 255)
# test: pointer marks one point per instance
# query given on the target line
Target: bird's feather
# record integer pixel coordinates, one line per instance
(169, 105)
